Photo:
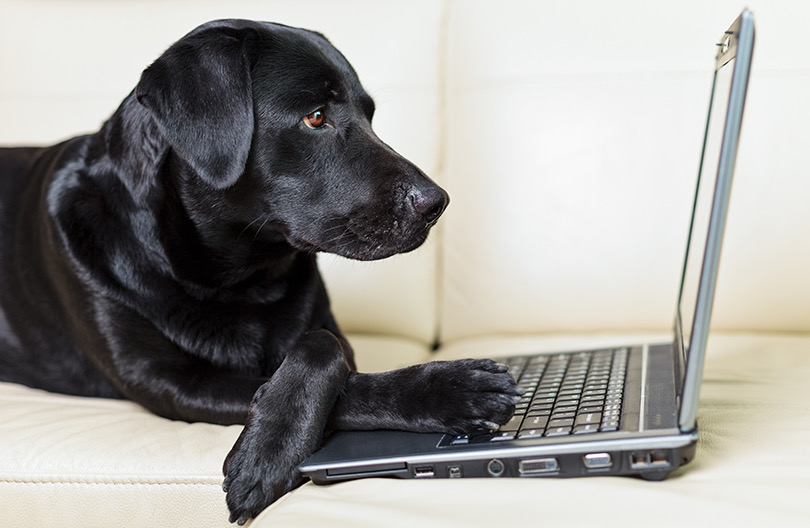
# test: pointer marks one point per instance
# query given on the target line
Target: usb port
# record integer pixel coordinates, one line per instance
(423, 472)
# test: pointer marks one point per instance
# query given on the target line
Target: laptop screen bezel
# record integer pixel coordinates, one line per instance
(736, 45)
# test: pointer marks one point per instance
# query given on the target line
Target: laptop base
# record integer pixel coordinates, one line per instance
(655, 461)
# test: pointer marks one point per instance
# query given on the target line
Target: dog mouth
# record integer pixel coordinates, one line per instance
(355, 239)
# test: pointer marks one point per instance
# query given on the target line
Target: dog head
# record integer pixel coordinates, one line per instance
(276, 130)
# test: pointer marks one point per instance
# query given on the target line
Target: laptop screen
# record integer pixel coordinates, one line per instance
(699, 229)
(705, 238)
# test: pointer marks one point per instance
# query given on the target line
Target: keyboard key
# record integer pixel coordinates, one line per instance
(590, 409)
(565, 414)
(610, 425)
(535, 422)
(596, 387)
(588, 418)
(513, 424)
(587, 428)
(543, 395)
(558, 431)
(593, 400)
(594, 392)
(562, 422)
(530, 433)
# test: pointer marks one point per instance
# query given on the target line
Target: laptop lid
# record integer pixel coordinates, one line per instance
(722, 134)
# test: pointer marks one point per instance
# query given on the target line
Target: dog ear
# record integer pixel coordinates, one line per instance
(199, 92)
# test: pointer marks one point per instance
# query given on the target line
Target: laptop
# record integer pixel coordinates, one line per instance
(628, 410)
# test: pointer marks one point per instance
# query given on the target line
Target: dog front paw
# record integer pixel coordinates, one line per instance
(285, 424)
(467, 395)
(257, 473)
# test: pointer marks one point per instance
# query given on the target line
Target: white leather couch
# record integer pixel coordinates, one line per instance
(567, 134)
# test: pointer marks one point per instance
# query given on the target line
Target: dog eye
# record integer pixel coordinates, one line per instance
(316, 119)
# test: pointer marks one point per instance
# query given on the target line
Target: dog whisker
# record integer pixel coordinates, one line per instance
(266, 219)
(248, 227)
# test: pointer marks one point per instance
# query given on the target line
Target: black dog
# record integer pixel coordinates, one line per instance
(170, 257)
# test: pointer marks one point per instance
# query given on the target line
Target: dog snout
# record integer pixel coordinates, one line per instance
(428, 202)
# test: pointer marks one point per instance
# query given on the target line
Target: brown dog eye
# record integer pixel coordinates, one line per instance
(316, 119)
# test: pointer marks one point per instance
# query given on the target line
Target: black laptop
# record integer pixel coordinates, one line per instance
(628, 410)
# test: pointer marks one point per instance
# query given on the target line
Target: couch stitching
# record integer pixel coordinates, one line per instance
(101, 481)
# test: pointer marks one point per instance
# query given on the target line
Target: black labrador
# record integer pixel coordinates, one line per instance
(170, 258)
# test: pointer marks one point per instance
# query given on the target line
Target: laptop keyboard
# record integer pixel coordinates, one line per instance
(566, 394)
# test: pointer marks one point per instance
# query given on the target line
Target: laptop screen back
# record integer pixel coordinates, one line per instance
(710, 207)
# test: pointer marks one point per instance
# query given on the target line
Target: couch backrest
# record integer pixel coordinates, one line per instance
(573, 138)
(566, 132)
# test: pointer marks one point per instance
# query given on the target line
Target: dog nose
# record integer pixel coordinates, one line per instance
(429, 202)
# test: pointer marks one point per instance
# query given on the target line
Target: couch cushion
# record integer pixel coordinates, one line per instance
(67, 461)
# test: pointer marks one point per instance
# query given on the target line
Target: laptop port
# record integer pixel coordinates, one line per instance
(597, 460)
(423, 472)
(537, 466)
(649, 460)
(495, 468)
(454, 472)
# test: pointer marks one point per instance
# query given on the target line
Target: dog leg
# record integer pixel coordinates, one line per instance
(442, 396)
(285, 424)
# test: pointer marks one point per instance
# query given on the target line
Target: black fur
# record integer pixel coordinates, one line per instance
(170, 257)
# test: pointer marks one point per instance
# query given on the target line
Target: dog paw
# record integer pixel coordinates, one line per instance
(257, 474)
(469, 395)
(284, 426)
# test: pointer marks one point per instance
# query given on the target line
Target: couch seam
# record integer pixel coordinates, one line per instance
(44, 480)
(443, 51)
(110, 484)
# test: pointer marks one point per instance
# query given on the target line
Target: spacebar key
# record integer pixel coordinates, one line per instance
(513, 424)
